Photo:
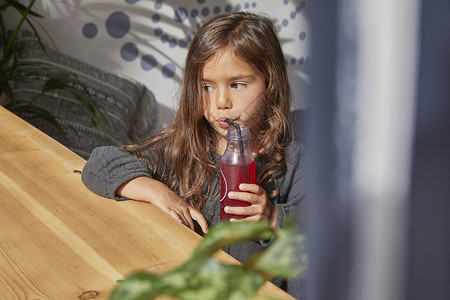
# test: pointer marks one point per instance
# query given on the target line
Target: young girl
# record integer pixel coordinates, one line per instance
(235, 69)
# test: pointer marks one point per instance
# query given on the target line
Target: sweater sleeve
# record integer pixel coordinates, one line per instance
(108, 168)
(293, 187)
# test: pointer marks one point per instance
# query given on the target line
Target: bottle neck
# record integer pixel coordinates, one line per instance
(236, 144)
(239, 149)
(241, 133)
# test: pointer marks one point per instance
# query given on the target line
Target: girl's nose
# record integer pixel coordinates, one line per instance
(223, 100)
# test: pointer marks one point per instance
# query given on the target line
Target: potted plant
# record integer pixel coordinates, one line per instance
(10, 71)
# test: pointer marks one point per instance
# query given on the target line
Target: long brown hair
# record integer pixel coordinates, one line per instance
(190, 142)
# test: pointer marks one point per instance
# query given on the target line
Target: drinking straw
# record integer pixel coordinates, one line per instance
(241, 148)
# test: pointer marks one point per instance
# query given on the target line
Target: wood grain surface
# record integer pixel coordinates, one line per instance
(58, 240)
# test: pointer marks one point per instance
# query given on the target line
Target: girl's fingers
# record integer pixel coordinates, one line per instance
(252, 188)
(188, 218)
(242, 210)
(245, 196)
(174, 215)
(254, 218)
(181, 218)
(197, 216)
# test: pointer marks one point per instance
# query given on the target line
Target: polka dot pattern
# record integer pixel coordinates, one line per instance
(148, 62)
(302, 36)
(158, 4)
(118, 24)
(90, 30)
(168, 70)
(156, 18)
(180, 15)
(129, 52)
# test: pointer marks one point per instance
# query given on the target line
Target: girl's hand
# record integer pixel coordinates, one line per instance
(260, 207)
(178, 209)
(152, 191)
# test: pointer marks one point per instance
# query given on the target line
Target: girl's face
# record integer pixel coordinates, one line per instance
(232, 90)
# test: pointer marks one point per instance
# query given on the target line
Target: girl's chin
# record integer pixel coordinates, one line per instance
(222, 131)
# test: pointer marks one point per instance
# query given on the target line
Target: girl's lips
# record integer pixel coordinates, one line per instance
(221, 122)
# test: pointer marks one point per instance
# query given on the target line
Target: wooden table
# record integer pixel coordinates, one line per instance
(60, 241)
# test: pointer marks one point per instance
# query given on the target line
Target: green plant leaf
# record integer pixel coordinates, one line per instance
(37, 112)
(95, 111)
(57, 81)
(200, 278)
(24, 13)
(286, 258)
(18, 6)
(66, 81)
(225, 234)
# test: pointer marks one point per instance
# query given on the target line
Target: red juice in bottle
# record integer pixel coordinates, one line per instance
(236, 166)
(230, 178)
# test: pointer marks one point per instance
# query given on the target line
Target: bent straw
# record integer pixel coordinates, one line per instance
(241, 148)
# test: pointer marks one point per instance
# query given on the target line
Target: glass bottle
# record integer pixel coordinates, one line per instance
(236, 166)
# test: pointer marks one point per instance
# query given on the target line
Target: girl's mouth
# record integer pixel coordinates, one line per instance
(222, 122)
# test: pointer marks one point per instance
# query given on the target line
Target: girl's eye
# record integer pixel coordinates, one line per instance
(207, 87)
(238, 85)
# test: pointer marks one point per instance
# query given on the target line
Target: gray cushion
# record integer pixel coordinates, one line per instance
(128, 105)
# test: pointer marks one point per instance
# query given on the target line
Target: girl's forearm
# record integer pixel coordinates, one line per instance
(158, 194)
(143, 189)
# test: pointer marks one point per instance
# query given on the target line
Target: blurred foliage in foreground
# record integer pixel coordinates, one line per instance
(202, 277)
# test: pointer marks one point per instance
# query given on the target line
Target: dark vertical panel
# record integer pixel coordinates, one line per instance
(328, 220)
(429, 263)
